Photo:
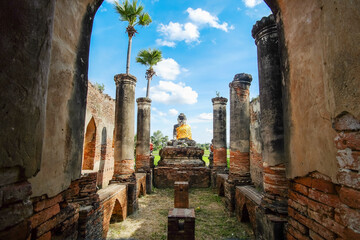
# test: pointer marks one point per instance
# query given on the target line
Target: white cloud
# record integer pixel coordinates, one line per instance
(252, 3)
(187, 32)
(158, 113)
(112, 1)
(167, 69)
(173, 93)
(161, 42)
(209, 130)
(173, 112)
(199, 16)
(206, 116)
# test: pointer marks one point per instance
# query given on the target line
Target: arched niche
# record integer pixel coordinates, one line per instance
(117, 213)
(89, 146)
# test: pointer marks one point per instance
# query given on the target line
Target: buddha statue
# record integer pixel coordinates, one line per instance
(181, 129)
(181, 133)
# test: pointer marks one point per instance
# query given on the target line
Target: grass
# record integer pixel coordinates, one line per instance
(150, 222)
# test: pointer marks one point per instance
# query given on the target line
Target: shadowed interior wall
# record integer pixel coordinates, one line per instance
(23, 85)
(66, 97)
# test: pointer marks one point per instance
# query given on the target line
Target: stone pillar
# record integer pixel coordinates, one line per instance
(271, 111)
(143, 140)
(239, 173)
(219, 134)
(124, 170)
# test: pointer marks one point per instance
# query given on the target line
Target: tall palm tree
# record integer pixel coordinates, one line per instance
(134, 15)
(149, 57)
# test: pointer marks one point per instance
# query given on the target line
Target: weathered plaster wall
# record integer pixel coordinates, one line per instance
(25, 44)
(321, 80)
(65, 111)
(101, 107)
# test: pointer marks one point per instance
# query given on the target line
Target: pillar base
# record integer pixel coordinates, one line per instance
(230, 186)
(130, 181)
(274, 204)
(215, 172)
(269, 226)
(149, 179)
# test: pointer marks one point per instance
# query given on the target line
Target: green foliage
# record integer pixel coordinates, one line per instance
(99, 87)
(132, 13)
(158, 140)
(149, 57)
(204, 146)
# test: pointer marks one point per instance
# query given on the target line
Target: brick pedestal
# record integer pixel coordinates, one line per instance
(181, 224)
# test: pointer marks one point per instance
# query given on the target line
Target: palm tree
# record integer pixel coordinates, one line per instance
(133, 14)
(149, 58)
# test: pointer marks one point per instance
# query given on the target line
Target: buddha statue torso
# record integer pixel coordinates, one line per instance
(183, 131)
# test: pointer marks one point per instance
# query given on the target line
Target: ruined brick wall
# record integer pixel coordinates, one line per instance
(256, 163)
(319, 61)
(320, 78)
(100, 108)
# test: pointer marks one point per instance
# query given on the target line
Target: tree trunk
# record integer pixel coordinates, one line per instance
(128, 55)
(148, 88)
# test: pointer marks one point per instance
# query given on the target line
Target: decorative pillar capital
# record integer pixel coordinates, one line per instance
(143, 101)
(264, 27)
(219, 100)
(124, 78)
(241, 78)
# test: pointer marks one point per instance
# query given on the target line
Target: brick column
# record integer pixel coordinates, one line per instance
(240, 129)
(143, 140)
(271, 111)
(219, 134)
(239, 173)
(124, 170)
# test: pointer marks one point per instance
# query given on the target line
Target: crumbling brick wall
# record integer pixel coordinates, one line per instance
(100, 108)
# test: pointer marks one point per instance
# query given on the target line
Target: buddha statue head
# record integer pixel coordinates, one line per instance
(181, 119)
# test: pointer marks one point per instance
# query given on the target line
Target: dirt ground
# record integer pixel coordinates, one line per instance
(150, 222)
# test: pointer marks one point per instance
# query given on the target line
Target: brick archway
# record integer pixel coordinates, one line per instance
(89, 146)
(117, 213)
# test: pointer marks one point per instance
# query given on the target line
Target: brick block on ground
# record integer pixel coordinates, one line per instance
(181, 224)
(181, 195)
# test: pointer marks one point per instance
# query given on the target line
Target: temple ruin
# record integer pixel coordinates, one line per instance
(68, 166)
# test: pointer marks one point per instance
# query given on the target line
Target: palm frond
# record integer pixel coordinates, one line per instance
(144, 19)
(149, 57)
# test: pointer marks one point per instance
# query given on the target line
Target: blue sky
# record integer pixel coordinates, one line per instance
(204, 44)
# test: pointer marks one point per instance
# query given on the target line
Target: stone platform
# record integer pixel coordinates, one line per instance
(181, 164)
